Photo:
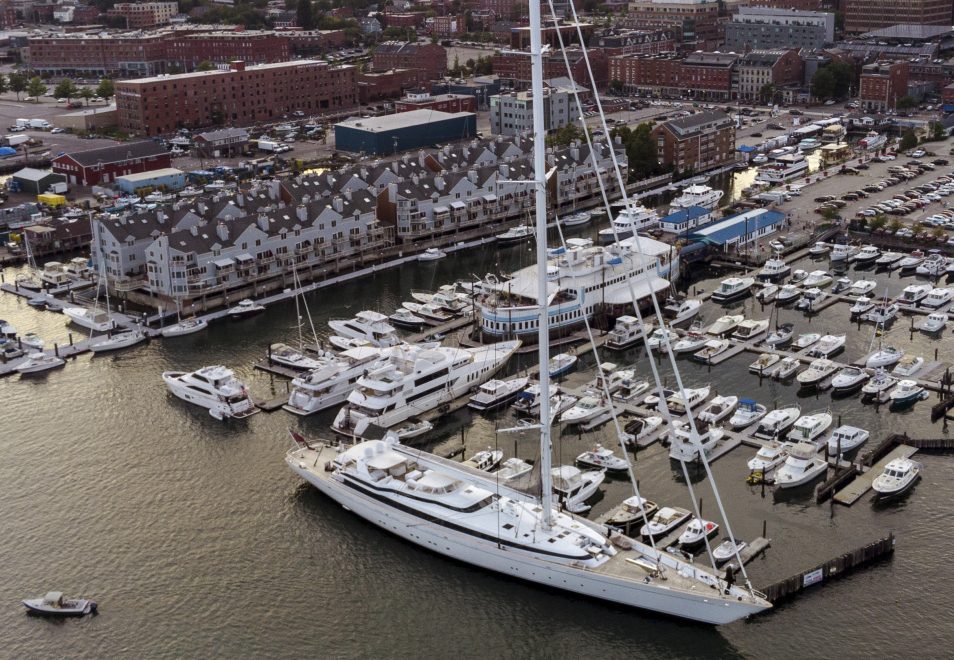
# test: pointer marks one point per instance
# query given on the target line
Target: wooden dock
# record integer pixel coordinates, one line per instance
(862, 483)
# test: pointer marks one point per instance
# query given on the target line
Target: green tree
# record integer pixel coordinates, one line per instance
(939, 233)
(823, 83)
(564, 135)
(906, 103)
(640, 150)
(878, 222)
(767, 93)
(36, 88)
(935, 131)
(204, 65)
(106, 89)
(304, 15)
(917, 228)
(894, 225)
(18, 83)
(829, 214)
(86, 93)
(616, 86)
(908, 140)
(65, 89)
(3, 84)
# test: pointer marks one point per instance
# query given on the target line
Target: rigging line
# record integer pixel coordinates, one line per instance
(304, 301)
(694, 433)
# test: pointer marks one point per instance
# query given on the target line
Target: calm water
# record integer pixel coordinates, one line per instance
(197, 541)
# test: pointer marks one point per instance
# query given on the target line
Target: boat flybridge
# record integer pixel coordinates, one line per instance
(512, 528)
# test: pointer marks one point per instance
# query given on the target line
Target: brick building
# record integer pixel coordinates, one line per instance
(239, 96)
(882, 84)
(98, 55)
(514, 68)
(96, 166)
(700, 75)
(413, 20)
(431, 58)
(140, 15)
(220, 48)
(520, 35)
(624, 42)
(386, 85)
(696, 143)
(867, 15)
(442, 102)
(699, 19)
(759, 68)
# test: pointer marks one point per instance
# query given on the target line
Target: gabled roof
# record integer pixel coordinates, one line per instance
(117, 154)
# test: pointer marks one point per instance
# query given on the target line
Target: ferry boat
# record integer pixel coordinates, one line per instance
(415, 379)
(782, 169)
(696, 195)
(628, 222)
(580, 281)
(331, 383)
(872, 141)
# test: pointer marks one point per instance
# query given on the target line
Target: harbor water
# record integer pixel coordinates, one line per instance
(197, 541)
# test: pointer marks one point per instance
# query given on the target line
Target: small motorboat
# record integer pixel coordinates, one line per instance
(882, 315)
(798, 276)
(9, 350)
(185, 327)
(32, 340)
(809, 427)
(55, 604)
(431, 254)
(934, 266)
(818, 279)
(732, 288)
(286, 356)
(868, 254)
(769, 456)
(912, 261)
(727, 550)
(777, 422)
(805, 340)
(691, 343)
(781, 335)
(653, 399)
(602, 458)
(764, 362)
(696, 532)
(908, 366)
(633, 510)
(888, 260)
(347, 343)
(684, 310)
(747, 413)
(561, 364)
(413, 428)
(878, 384)
(933, 323)
(573, 486)
(811, 299)
(576, 219)
(585, 410)
(802, 466)
(914, 293)
(786, 368)
(118, 340)
(485, 460)
(842, 284)
(630, 390)
(683, 448)
(691, 396)
(642, 427)
(725, 324)
(828, 345)
(906, 392)
(405, 318)
(774, 269)
(429, 311)
(818, 249)
(789, 293)
(750, 328)
(561, 403)
(37, 362)
(862, 288)
(711, 349)
(898, 476)
(862, 305)
(885, 357)
(846, 438)
(37, 302)
(495, 393)
(245, 309)
(660, 335)
(938, 297)
(666, 520)
(849, 379)
(512, 469)
(718, 409)
(767, 293)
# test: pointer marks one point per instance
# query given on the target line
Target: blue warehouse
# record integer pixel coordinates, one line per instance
(402, 131)
(737, 230)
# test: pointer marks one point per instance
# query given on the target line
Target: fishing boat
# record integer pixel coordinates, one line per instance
(898, 476)
(786, 368)
(712, 349)
(747, 413)
(573, 487)
(495, 393)
(818, 279)
(906, 392)
(215, 388)
(726, 550)
(763, 363)
(809, 427)
(885, 356)
(696, 532)
(245, 309)
(828, 345)
(842, 284)
(818, 249)
(724, 325)
(601, 458)
(630, 389)
(868, 254)
(666, 520)
(405, 318)
(750, 328)
(777, 422)
(560, 364)
(733, 288)
(39, 362)
(718, 409)
(789, 293)
(862, 288)
(805, 340)
(933, 266)
(849, 379)
(485, 460)
(55, 604)
(516, 234)
(769, 456)
(642, 427)
(862, 305)
(685, 448)
(689, 397)
(798, 276)
(880, 383)
(811, 299)
(774, 269)
(882, 314)
(818, 370)
(118, 341)
(938, 297)
(691, 342)
(888, 260)
(914, 293)
(627, 332)
(933, 323)
(912, 261)
(842, 253)
(845, 439)
(780, 335)
(683, 310)
(661, 337)
(431, 254)
(587, 408)
(802, 466)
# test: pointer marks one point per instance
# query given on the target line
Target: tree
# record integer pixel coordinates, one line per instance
(640, 151)
(823, 83)
(767, 93)
(616, 86)
(878, 222)
(36, 88)
(304, 16)
(18, 83)
(908, 140)
(86, 93)
(935, 131)
(204, 65)
(906, 103)
(65, 89)
(3, 84)
(917, 228)
(939, 233)
(894, 225)
(564, 135)
(106, 89)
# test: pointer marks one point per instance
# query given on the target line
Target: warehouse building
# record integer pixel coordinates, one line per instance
(167, 178)
(36, 182)
(732, 232)
(402, 131)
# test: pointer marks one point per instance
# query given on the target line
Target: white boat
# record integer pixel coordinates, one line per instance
(842, 252)
(802, 466)
(426, 311)
(696, 532)
(879, 383)
(732, 288)
(780, 335)
(245, 309)
(828, 345)
(934, 265)
(862, 305)
(93, 319)
(888, 260)
(609, 378)
(914, 293)
(848, 379)
(576, 219)
(528, 400)
(805, 340)
(78, 267)
(786, 368)
(629, 221)
(819, 248)
(788, 294)
(818, 279)
(846, 438)
(347, 343)
(712, 349)
(630, 390)
(718, 409)
(873, 141)
(573, 487)
(642, 427)
(55, 604)
(412, 428)
(9, 350)
(515, 235)
(809, 427)
(633, 510)
(560, 364)
(767, 293)
(495, 393)
(687, 309)
(666, 520)
(585, 410)
(512, 469)
(750, 328)
(431, 254)
(818, 370)
(724, 324)
(331, 383)
(37, 362)
(884, 357)
(777, 422)
(862, 288)
(727, 550)
(368, 326)
(897, 477)
(626, 332)
(602, 458)
(938, 297)
(185, 327)
(655, 340)
(773, 269)
(759, 159)
(689, 397)
(905, 392)
(405, 318)
(769, 456)
(763, 363)
(747, 413)
(215, 388)
(696, 195)
(809, 144)
(485, 460)
(54, 275)
(33, 340)
(882, 314)
(683, 448)
(287, 356)
(866, 255)
(908, 366)
(798, 276)
(117, 341)
(933, 323)
(412, 380)
(912, 261)
(811, 299)
(782, 169)
(842, 284)
(691, 342)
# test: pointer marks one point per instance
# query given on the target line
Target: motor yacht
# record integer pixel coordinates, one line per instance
(938, 297)
(117, 341)
(696, 195)
(862, 288)
(818, 249)
(93, 319)
(528, 400)
(286, 356)
(412, 380)
(888, 260)
(802, 466)
(405, 318)
(690, 397)
(906, 392)
(691, 342)
(38, 362)
(780, 335)
(885, 356)
(245, 309)
(601, 458)
(899, 475)
(809, 427)
(777, 422)
(428, 312)
(733, 288)
(712, 349)
(786, 368)
(764, 363)
(933, 266)
(868, 254)
(845, 439)
(811, 299)
(627, 332)
(682, 311)
(576, 219)
(818, 370)
(682, 448)
(769, 456)
(849, 379)
(696, 532)
(609, 378)
(908, 366)
(828, 345)
(516, 234)
(634, 510)
(862, 305)
(774, 269)
(725, 324)
(33, 340)
(818, 279)
(666, 520)
(880, 383)
(560, 364)
(914, 293)
(629, 221)
(347, 343)
(215, 388)
(185, 327)
(512, 469)
(718, 409)
(586, 409)
(750, 328)
(805, 340)
(573, 487)
(747, 413)
(787, 294)
(368, 326)
(911, 262)
(495, 393)
(330, 383)
(485, 460)
(630, 390)
(660, 335)
(412, 428)
(641, 428)
(933, 323)
(431, 254)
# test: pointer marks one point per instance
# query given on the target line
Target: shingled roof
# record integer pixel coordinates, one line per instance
(117, 154)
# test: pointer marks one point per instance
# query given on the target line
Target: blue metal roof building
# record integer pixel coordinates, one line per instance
(685, 219)
(740, 229)
(402, 131)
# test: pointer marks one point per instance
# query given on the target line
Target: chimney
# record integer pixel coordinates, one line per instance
(472, 175)
(302, 212)
(237, 65)
(161, 217)
(439, 182)
(504, 170)
(240, 200)
(394, 166)
(392, 192)
(575, 153)
(203, 208)
(263, 222)
(364, 172)
(194, 230)
(222, 231)
(273, 189)
(337, 204)
(416, 179)
(347, 195)
(306, 199)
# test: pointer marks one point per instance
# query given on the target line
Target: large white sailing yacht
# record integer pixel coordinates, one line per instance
(468, 515)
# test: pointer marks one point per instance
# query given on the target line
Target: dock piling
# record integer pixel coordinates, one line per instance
(56, 350)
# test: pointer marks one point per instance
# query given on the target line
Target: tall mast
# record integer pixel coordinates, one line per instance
(540, 194)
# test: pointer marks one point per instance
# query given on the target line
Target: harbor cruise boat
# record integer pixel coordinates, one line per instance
(580, 281)
(412, 380)
(782, 169)
(696, 195)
